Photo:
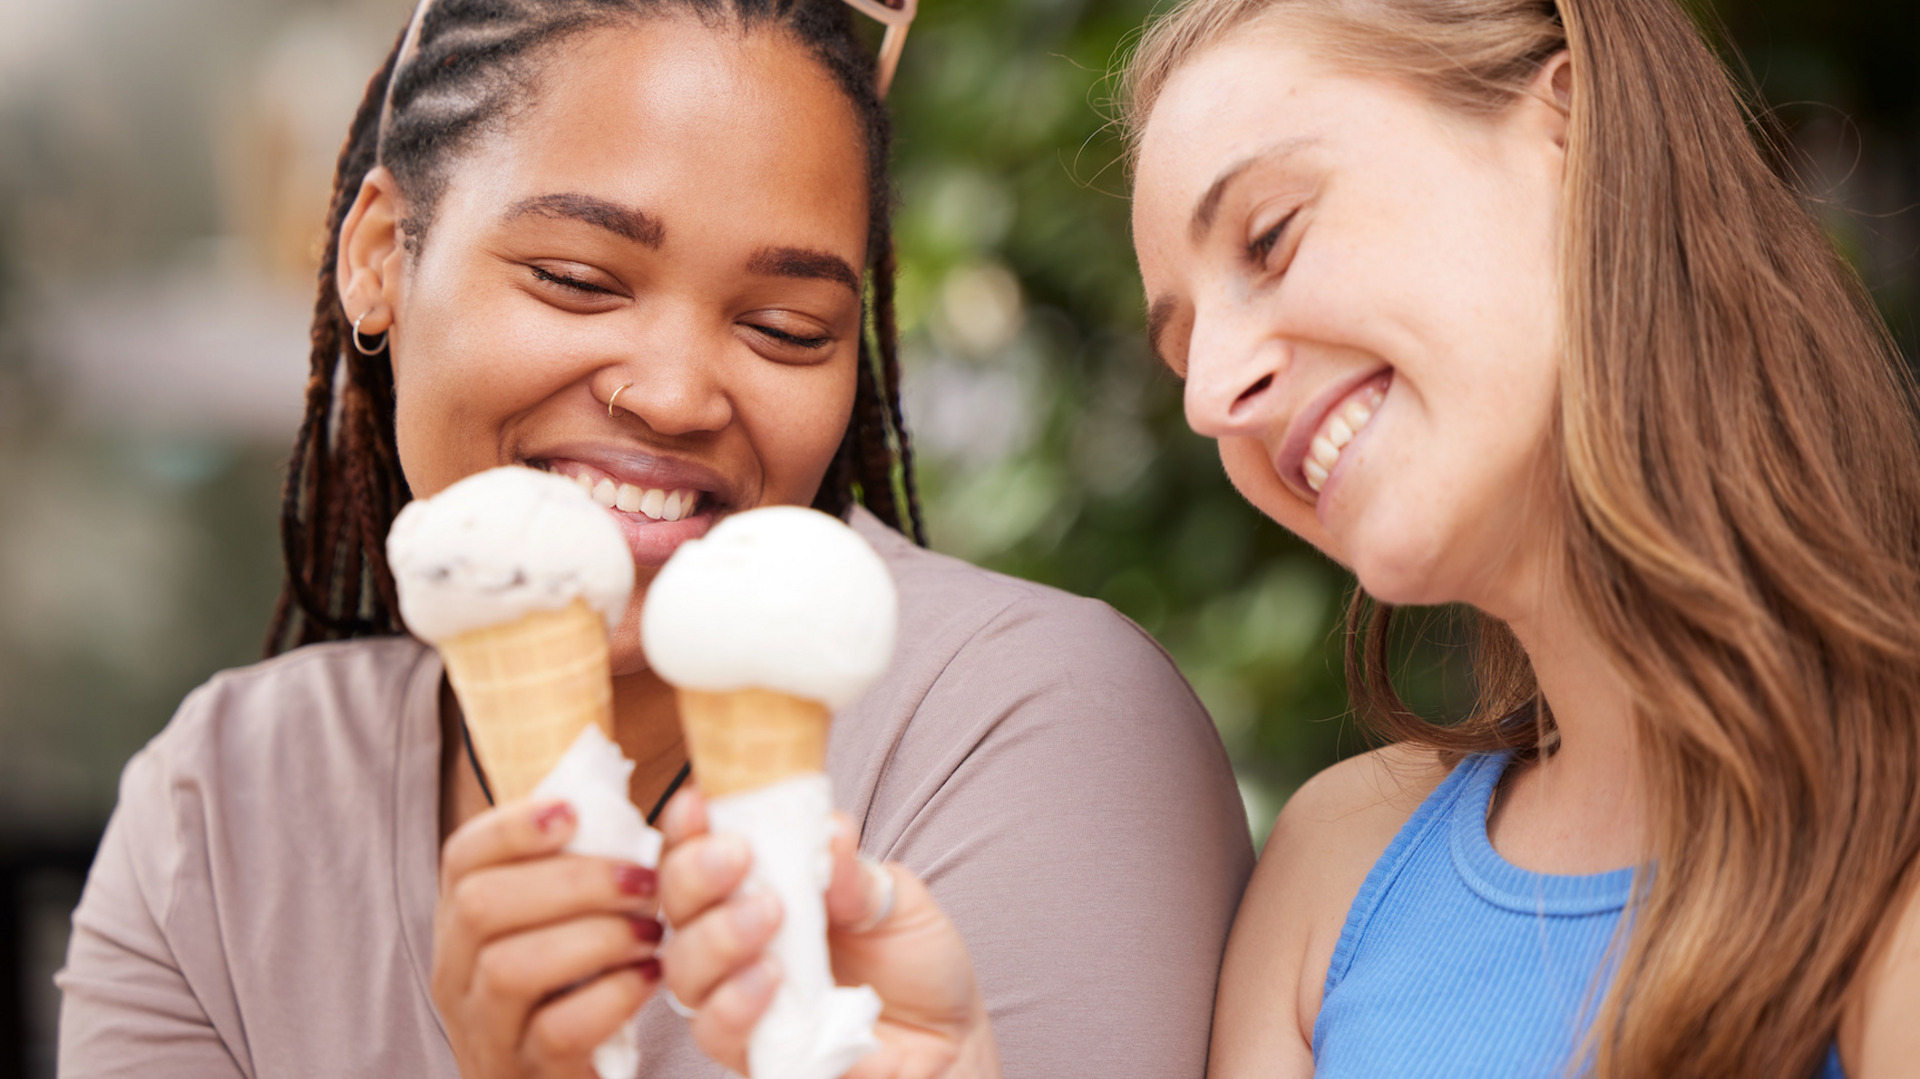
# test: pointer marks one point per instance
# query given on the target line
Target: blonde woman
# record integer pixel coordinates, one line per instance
(1497, 303)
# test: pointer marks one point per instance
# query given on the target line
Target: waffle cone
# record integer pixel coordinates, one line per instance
(751, 738)
(528, 688)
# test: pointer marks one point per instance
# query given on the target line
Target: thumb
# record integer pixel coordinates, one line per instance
(860, 895)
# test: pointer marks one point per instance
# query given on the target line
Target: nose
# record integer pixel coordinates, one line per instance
(1234, 367)
(673, 382)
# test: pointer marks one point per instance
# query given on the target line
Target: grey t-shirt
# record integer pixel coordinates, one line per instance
(262, 902)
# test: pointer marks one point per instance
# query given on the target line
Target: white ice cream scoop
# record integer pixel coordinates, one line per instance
(779, 598)
(500, 544)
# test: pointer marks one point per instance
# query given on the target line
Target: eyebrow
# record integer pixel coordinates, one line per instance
(626, 222)
(802, 263)
(1208, 207)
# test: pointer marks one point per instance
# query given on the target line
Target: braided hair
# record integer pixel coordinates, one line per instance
(474, 60)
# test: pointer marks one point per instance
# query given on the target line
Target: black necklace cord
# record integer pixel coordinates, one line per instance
(479, 773)
(679, 778)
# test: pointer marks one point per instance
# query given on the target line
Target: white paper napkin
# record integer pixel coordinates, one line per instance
(813, 1029)
(592, 778)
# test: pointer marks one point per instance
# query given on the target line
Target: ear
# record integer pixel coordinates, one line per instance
(372, 253)
(1552, 87)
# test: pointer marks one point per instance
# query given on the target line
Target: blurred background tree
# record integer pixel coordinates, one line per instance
(163, 168)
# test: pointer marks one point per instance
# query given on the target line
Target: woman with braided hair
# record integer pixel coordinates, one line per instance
(644, 244)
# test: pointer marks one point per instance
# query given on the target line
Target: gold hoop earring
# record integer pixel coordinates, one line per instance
(616, 397)
(362, 347)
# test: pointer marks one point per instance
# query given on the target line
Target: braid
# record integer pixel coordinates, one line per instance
(901, 468)
(309, 608)
(474, 63)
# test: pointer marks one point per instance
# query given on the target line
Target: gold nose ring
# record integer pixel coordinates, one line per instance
(616, 397)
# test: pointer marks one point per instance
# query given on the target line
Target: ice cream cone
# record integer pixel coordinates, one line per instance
(751, 738)
(528, 688)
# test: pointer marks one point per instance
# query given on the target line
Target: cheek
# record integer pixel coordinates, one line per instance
(463, 357)
(429, 458)
(796, 422)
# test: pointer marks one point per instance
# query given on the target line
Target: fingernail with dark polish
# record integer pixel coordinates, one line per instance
(553, 816)
(647, 930)
(636, 880)
(649, 969)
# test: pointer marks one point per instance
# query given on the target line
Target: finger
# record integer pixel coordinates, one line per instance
(685, 816)
(860, 893)
(704, 952)
(568, 1028)
(722, 1025)
(514, 974)
(517, 830)
(700, 873)
(501, 899)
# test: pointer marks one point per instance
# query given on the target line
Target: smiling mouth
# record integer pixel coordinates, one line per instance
(1344, 421)
(651, 503)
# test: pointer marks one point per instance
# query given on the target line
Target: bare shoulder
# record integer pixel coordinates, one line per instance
(1878, 1037)
(1352, 810)
(1326, 840)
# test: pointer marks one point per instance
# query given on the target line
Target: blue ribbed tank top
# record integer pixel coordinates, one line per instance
(1457, 964)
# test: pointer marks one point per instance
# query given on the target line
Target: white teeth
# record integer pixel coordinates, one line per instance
(1340, 428)
(1316, 476)
(657, 503)
(680, 505)
(1339, 433)
(1323, 451)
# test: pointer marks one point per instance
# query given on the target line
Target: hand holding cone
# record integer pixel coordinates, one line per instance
(517, 577)
(778, 616)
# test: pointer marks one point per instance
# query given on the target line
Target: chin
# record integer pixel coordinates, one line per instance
(625, 655)
(1252, 474)
(1400, 573)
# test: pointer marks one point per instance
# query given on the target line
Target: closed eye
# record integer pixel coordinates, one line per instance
(791, 339)
(1262, 247)
(572, 284)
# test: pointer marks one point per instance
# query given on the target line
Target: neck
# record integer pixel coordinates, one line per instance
(646, 724)
(1581, 810)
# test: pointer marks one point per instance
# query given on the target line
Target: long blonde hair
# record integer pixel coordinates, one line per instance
(1740, 500)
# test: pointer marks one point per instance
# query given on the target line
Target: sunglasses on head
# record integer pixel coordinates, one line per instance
(896, 15)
